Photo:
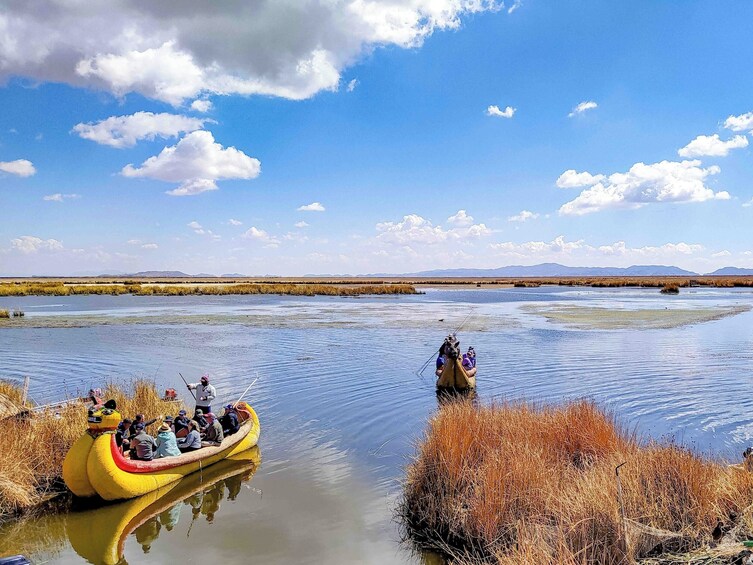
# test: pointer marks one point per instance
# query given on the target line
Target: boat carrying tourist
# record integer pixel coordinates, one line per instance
(455, 371)
(97, 465)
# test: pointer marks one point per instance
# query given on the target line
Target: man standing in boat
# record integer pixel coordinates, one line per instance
(205, 393)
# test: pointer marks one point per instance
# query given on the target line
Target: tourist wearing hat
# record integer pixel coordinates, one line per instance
(200, 419)
(213, 431)
(205, 393)
(167, 444)
(229, 421)
(180, 424)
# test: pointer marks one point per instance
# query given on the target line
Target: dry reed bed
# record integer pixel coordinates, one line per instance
(523, 484)
(62, 289)
(32, 448)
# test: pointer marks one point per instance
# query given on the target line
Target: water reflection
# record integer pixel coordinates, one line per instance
(100, 535)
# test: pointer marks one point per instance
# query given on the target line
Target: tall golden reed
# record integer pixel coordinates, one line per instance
(32, 448)
(524, 484)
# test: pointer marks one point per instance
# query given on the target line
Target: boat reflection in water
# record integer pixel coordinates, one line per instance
(100, 535)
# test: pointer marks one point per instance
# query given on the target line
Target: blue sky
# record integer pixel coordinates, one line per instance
(384, 136)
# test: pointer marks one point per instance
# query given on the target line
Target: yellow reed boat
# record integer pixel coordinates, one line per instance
(95, 465)
(454, 376)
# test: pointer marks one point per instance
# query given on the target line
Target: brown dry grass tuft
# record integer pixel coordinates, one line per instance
(32, 448)
(524, 484)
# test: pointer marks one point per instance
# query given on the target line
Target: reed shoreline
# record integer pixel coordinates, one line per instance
(171, 288)
(33, 444)
(527, 484)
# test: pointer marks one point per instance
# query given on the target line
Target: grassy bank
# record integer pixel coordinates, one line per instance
(60, 288)
(522, 484)
(32, 449)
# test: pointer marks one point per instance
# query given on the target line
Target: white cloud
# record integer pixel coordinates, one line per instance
(234, 222)
(723, 253)
(31, 244)
(149, 246)
(352, 85)
(495, 111)
(196, 162)
(301, 224)
(313, 207)
(164, 51)
(415, 229)
(58, 197)
(621, 249)
(667, 181)
(196, 227)
(201, 106)
(743, 122)
(524, 216)
(134, 242)
(19, 167)
(460, 219)
(125, 131)
(748, 204)
(583, 107)
(560, 249)
(573, 179)
(515, 5)
(532, 248)
(712, 146)
(257, 234)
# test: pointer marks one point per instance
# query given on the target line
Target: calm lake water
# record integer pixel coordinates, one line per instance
(341, 404)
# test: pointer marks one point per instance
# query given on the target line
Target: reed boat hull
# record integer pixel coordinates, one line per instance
(454, 376)
(113, 476)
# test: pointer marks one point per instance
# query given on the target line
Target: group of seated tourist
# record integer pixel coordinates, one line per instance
(175, 435)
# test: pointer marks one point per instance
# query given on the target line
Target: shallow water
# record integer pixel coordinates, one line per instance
(341, 404)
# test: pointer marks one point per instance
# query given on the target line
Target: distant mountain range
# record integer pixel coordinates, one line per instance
(557, 270)
(541, 270)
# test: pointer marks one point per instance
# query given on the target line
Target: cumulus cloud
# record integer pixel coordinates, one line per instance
(712, 146)
(558, 245)
(31, 244)
(313, 207)
(524, 216)
(573, 179)
(415, 229)
(201, 106)
(748, 204)
(58, 197)
(149, 246)
(723, 253)
(164, 51)
(583, 107)
(460, 219)
(234, 222)
(125, 131)
(196, 162)
(562, 249)
(260, 235)
(19, 167)
(352, 85)
(508, 112)
(301, 224)
(667, 181)
(743, 122)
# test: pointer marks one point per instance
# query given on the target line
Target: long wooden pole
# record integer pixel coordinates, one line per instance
(245, 391)
(189, 388)
(622, 506)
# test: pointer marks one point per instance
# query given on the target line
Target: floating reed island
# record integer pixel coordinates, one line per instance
(34, 443)
(62, 288)
(531, 484)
